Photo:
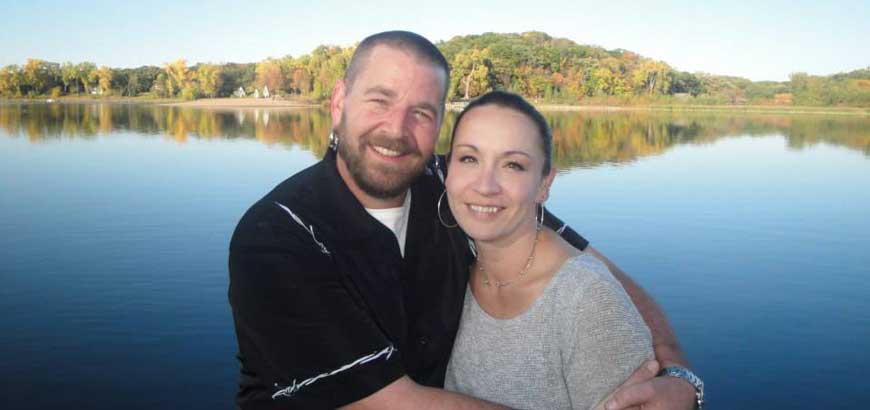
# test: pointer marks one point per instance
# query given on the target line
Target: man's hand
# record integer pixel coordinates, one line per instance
(644, 391)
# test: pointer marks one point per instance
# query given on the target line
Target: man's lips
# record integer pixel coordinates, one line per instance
(386, 151)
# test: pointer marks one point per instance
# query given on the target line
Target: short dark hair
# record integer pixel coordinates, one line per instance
(413, 43)
(517, 103)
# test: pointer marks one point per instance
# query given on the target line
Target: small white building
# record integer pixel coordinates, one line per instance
(265, 91)
(240, 92)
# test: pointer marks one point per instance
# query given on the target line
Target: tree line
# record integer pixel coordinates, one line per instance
(539, 67)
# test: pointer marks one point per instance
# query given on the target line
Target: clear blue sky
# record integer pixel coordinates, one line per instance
(759, 40)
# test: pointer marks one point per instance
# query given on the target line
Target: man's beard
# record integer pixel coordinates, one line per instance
(379, 180)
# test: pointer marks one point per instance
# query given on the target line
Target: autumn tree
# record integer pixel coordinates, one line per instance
(104, 79)
(269, 74)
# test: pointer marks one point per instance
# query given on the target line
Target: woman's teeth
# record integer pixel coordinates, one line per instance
(484, 209)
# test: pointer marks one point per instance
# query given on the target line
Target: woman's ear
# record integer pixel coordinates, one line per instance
(544, 190)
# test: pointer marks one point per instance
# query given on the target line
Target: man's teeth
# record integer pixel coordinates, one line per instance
(484, 209)
(386, 152)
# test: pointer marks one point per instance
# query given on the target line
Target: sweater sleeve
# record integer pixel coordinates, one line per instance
(610, 339)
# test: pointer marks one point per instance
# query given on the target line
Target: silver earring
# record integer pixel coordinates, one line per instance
(438, 210)
(540, 221)
(333, 141)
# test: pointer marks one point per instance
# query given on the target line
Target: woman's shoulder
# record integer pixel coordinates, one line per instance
(584, 272)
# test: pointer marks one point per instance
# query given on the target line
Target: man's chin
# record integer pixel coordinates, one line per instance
(385, 185)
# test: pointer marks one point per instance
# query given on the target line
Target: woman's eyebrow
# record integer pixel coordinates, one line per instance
(469, 146)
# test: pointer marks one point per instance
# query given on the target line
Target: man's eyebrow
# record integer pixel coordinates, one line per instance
(378, 89)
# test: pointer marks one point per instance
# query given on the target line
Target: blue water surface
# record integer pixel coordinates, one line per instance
(114, 252)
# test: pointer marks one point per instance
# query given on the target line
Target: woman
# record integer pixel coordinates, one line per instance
(544, 326)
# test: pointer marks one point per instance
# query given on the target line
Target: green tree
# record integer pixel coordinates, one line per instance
(35, 76)
(84, 70)
(209, 78)
(70, 75)
(652, 77)
(11, 81)
(472, 73)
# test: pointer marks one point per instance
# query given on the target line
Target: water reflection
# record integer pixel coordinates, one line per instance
(582, 139)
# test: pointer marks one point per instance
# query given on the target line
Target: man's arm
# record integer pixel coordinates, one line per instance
(643, 390)
(405, 394)
(665, 345)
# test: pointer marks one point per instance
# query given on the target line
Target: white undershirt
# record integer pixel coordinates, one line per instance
(396, 219)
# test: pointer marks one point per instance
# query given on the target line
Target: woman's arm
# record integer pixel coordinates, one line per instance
(610, 339)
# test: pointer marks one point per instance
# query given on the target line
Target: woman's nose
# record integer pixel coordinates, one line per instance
(487, 182)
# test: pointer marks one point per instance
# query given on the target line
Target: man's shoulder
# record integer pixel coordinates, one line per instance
(270, 218)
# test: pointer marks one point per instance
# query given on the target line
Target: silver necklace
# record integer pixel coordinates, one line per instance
(500, 284)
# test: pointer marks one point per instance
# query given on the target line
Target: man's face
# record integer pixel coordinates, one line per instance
(388, 121)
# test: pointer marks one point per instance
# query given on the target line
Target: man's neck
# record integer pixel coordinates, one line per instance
(365, 199)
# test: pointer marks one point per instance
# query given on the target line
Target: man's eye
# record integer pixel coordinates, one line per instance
(423, 115)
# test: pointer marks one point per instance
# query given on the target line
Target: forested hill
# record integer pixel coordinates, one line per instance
(557, 69)
(540, 67)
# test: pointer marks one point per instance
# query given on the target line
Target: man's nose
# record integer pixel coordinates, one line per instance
(396, 122)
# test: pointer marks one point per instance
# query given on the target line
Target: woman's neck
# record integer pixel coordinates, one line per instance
(502, 263)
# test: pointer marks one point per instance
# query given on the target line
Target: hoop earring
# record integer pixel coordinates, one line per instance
(333, 140)
(438, 210)
(540, 221)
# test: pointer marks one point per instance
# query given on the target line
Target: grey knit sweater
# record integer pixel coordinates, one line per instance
(578, 342)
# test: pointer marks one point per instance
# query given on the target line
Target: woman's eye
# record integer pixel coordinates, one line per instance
(467, 159)
(515, 166)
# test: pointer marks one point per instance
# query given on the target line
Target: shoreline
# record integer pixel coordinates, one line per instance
(241, 103)
(295, 104)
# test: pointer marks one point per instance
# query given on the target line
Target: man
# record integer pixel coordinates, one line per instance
(346, 290)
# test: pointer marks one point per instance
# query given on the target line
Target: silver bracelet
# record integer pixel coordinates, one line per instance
(687, 375)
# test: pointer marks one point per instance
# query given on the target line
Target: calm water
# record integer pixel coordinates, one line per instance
(751, 231)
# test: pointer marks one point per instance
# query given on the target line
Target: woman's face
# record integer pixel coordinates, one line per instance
(495, 174)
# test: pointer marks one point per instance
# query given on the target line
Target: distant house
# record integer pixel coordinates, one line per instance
(256, 93)
(265, 91)
(240, 92)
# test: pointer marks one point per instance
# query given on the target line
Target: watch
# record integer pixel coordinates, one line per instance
(687, 375)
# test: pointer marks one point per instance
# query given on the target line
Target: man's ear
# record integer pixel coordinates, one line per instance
(336, 103)
(544, 190)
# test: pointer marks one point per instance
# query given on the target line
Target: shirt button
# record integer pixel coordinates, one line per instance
(422, 340)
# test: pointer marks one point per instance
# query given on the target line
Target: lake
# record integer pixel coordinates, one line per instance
(752, 231)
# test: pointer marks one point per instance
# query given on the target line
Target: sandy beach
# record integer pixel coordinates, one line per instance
(235, 103)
